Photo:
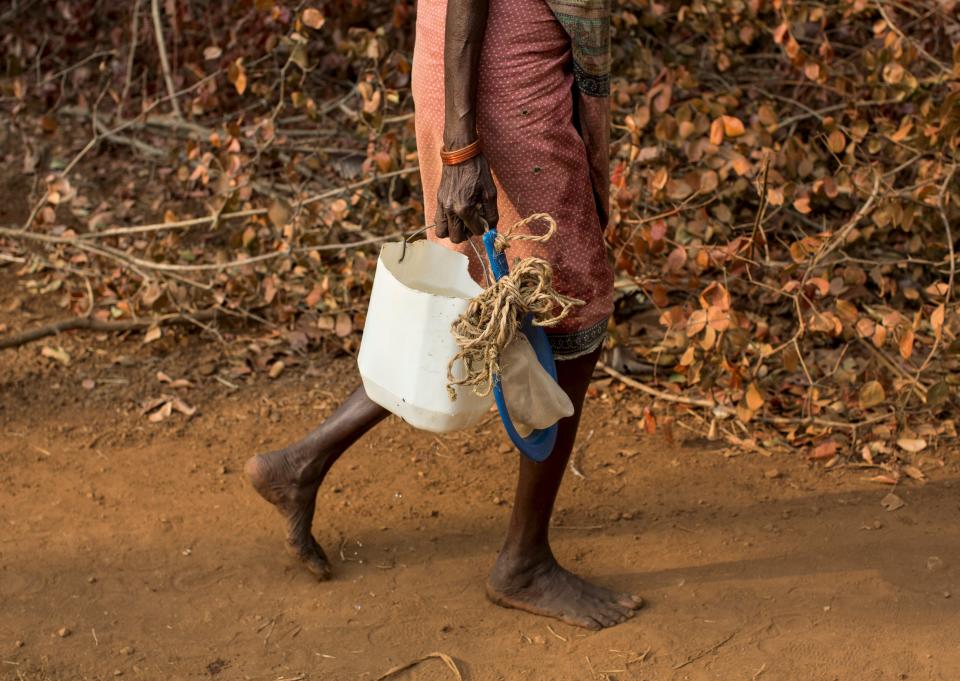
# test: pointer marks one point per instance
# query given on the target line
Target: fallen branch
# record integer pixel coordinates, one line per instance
(105, 132)
(183, 224)
(91, 324)
(94, 141)
(133, 262)
(825, 423)
(659, 394)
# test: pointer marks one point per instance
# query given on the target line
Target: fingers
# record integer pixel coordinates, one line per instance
(449, 225)
(467, 201)
(458, 231)
(470, 215)
(440, 221)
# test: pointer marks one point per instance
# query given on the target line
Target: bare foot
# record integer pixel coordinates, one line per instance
(276, 480)
(545, 588)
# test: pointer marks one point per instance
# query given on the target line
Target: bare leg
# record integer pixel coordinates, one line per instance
(289, 478)
(526, 575)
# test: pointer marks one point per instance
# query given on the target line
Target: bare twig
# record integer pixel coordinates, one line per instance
(164, 62)
(926, 55)
(825, 423)
(918, 388)
(142, 147)
(761, 212)
(659, 394)
(92, 324)
(705, 652)
(86, 60)
(942, 206)
(841, 236)
(97, 136)
(183, 224)
(134, 37)
(447, 660)
(550, 629)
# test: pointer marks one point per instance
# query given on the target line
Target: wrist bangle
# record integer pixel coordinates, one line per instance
(458, 156)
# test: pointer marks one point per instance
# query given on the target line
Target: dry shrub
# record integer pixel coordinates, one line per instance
(784, 188)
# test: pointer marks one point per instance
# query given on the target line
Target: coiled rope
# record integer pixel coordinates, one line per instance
(493, 318)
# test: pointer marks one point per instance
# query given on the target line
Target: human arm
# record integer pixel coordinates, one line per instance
(467, 194)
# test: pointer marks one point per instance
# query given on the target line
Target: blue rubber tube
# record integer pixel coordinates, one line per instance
(538, 444)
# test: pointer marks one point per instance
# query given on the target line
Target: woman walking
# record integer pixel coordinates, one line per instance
(512, 118)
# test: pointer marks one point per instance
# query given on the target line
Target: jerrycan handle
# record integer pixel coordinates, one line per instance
(538, 444)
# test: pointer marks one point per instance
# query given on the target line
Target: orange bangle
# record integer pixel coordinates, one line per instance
(458, 156)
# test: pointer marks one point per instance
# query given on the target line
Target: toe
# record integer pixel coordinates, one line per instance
(611, 597)
(250, 468)
(313, 558)
(623, 612)
(618, 615)
(627, 600)
(606, 618)
(582, 621)
(318, 566)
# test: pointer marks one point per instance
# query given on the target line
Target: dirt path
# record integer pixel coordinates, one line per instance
(144, 541)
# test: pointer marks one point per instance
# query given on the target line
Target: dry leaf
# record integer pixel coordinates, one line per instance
(754, 397)
(313, 18)
(884, 479)
(879, 335)
(237, 75)
(892, 502)
(936, 319)
(716, 132)
(906, 344)
(824, 450)
(276, 369)
(344, 325)
(912, 445)
(872, 395)
(649, 421)
(732, 126)
(802, 204)
(836, 142)
(183, 407)
(162, 413)
(279, 213)
(152, 334)
(677, 259)
(914, 472)
(58, 354)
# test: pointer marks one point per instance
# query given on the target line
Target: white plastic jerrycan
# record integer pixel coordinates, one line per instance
(407, 343)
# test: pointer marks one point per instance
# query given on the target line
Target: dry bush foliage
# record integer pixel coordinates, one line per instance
(785, 191)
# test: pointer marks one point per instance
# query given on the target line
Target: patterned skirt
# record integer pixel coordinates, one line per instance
(529, 117)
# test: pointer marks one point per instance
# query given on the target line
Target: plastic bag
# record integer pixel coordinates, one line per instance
(534, 400)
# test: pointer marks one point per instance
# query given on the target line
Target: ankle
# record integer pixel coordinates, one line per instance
(309, 469)
(295, 464)
(516, 559)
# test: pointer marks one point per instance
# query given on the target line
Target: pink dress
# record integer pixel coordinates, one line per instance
(540, 162)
